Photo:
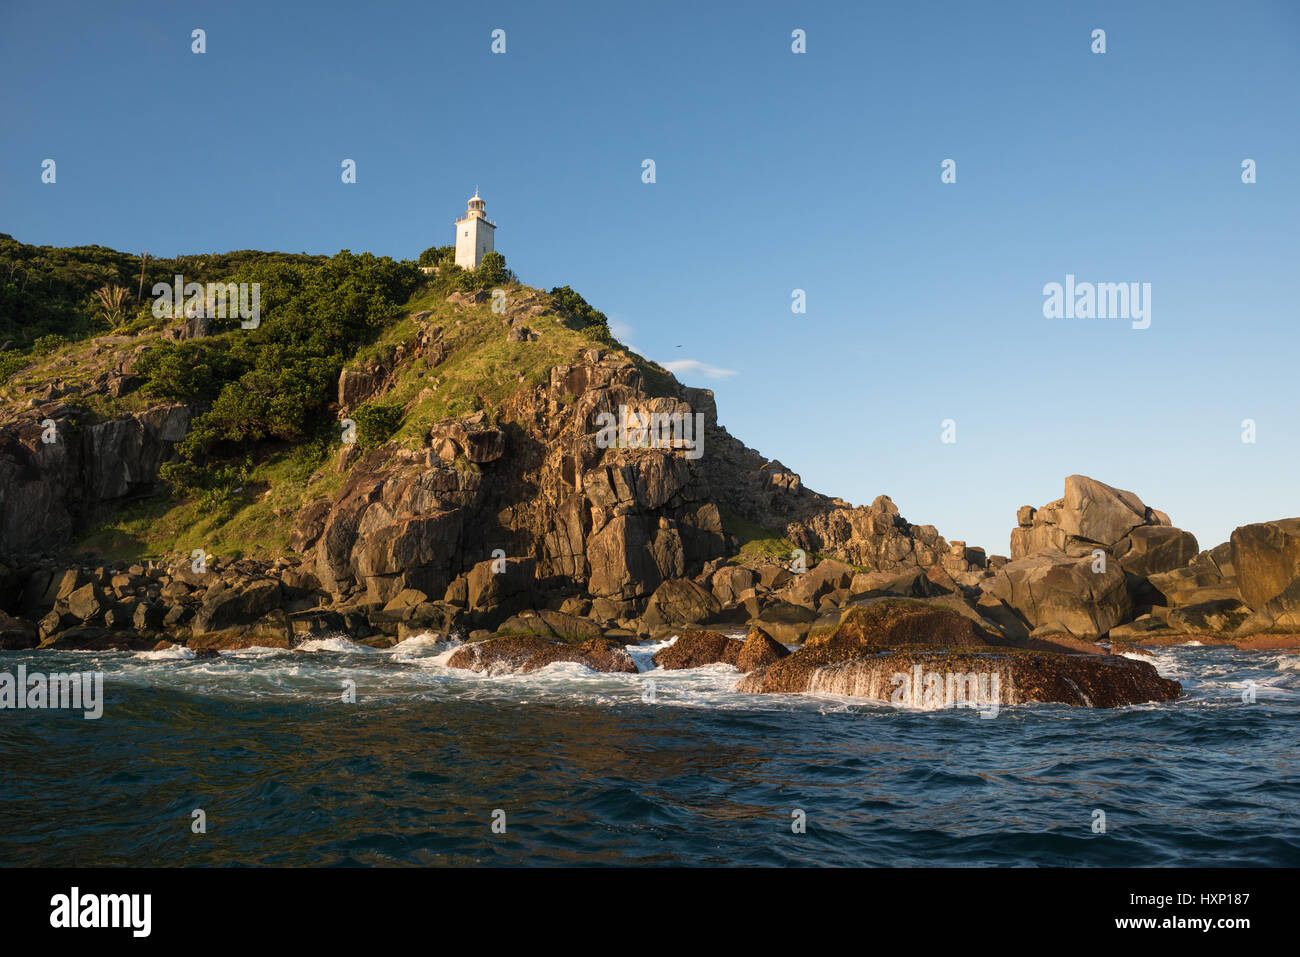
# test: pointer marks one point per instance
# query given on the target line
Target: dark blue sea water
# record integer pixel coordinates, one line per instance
(589, 773)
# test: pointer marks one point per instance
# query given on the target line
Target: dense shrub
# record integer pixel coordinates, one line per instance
(435, 255)
(10, 362)
(591, 322)
(48, 343)
(50, 289)
(275, 381)
(491, 272)
(376, 424)
(192, 371)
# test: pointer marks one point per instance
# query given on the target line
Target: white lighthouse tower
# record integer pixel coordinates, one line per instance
(474, 235)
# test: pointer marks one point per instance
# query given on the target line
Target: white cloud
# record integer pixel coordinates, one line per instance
(680, 367)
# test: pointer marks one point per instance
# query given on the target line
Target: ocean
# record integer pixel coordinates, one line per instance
(437, 766)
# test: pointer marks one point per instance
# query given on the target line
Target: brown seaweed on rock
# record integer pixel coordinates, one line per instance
(887, 645)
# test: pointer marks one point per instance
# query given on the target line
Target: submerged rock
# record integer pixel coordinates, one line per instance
(883, 639)
(97, 639)
(521, 654)
(938, 679)
(695, 649)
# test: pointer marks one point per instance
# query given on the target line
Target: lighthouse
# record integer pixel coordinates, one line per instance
(474, 235)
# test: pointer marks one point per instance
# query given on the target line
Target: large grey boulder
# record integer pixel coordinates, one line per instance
(1053, 591)
(680, 601)
(1151, 549)
(1266, 557)
(1093, 514)
(1099, 512)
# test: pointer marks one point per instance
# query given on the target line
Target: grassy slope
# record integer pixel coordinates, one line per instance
(482, 370)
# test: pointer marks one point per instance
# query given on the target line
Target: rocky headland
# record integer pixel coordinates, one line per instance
(514, 528)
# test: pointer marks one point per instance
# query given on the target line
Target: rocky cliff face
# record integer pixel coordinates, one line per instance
(55, 471)
(525, 523)
(614, 523)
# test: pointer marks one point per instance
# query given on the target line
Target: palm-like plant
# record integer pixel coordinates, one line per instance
(111, 299)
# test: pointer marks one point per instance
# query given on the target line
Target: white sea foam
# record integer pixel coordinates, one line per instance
(1164, 660)
(254, 651)
(423, 646)
(174, 653)
(643, 655)
(338, 645)
(417, 669)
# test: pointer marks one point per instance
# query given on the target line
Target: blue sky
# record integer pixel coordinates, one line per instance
(775, 171)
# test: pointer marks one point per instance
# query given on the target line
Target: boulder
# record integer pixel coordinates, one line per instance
(16, 634)
(1093, 514)
(355, 386)
(694, 649)
(785, 622)
(521, 654)
(317, 623)
(97, 639)
(225, 606)
(772, 575)
(938, 679)
(1209, 576)
(758, 651)
(274, 630)
(87, 602)
(1217, 617)
(1099, 512)
(730, 582)
(1266, 558)
(1151, 549)
(826, 576)
(551, 625)
(680, 601)
(1053, 591)
(473, 437)
(433, 617)
(498, 588)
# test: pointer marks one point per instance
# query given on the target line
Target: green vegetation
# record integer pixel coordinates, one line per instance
(47, 344)
(756, 542)
(191, 371)
(436, 255)
(264, 433)
(480, 370)
(275, 382)
(10, 362)
(593, 323)
(376, 424)
(51, 289)
(247, 511)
